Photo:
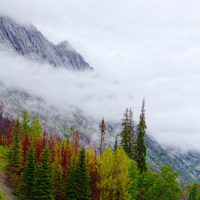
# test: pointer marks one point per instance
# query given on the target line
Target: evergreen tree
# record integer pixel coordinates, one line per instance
(140, 154)
(82, 168)
(77, 187)
(72, 185)
(124, 133)
(128, 135)
(43, 185)
(194, 194)
(116, 144)
(132, 136)
(28, 177)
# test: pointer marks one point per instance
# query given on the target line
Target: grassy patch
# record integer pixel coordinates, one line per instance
(3, 152)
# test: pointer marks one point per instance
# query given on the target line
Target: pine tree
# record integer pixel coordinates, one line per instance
(124, 133)
(72, 185)
(82, 167)
(102, 128)
(77, 187)
(28, 177)
(43, 185)
(128, 135)
(132, 136)
(141, 151)
(116, 143)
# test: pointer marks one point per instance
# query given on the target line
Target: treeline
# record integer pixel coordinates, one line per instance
(43, 166)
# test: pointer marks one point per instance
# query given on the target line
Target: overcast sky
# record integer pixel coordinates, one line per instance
(149, 48)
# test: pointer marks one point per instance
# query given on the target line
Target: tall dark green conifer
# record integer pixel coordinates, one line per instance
(141, 151)
(131, 135)
(77, 187)
(83, 176)
(116, 143)
(43, 185)
(128, 138)
(72, 185)
(28, 177)
(124, 133)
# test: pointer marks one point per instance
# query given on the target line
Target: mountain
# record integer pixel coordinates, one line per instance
(61, 121)
(185, 163)
(29, 42)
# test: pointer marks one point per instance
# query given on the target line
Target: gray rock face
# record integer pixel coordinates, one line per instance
(29, 42)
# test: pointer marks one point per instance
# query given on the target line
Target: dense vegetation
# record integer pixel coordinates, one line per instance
(41, 166)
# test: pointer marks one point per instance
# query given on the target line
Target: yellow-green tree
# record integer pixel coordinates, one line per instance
(114, 175)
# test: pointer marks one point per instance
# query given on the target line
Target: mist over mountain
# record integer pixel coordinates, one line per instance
(29, 42)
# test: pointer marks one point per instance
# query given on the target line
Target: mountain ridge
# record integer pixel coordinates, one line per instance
(29, 42)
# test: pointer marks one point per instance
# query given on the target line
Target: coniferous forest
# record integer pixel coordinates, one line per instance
(38, 165)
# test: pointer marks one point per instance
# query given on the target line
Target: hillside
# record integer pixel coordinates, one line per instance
(61, 121)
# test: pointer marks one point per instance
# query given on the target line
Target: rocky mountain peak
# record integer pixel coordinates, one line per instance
(29, 42)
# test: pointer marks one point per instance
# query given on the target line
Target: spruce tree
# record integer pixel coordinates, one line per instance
(141, 151)
(72, 185)
(28, 177)
(131, 136)
(124, 133)
(43, 185)
(116, 143)
(128, 134)
(82, 168)
(77, 187)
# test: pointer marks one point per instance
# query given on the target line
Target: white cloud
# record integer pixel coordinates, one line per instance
(139, 48)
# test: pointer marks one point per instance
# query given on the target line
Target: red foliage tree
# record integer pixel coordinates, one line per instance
(25, 148)
(76, 145)
(102, 128)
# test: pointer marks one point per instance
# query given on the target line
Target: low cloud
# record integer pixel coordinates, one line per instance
(171, 108)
